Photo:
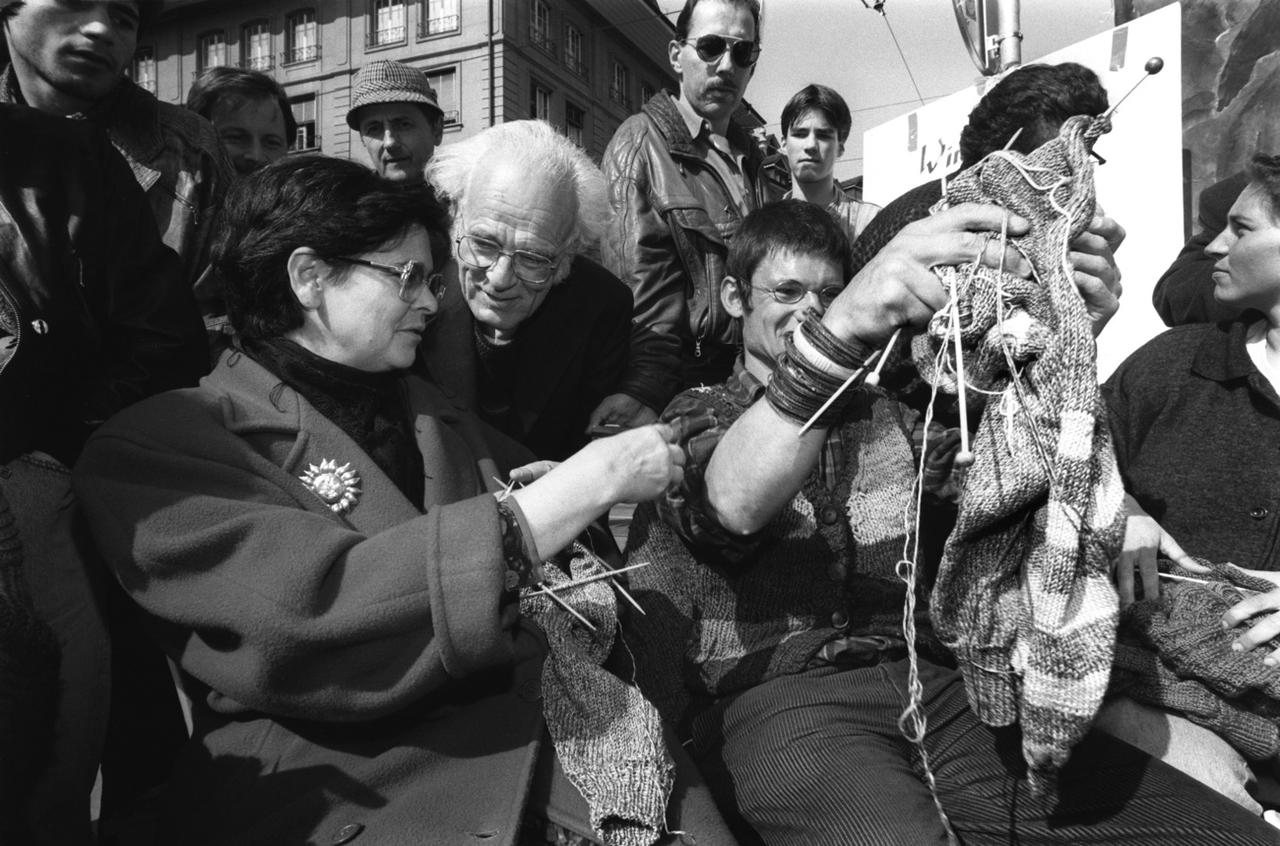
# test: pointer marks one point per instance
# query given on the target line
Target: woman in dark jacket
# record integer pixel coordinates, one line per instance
(1196, 419)
(324, 546)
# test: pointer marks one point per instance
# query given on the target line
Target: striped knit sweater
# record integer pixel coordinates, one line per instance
(1024, 596)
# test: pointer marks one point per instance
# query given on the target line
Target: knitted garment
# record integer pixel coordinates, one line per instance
(1024, 595)
(607, 735)
(29, 660)
(1174, 654)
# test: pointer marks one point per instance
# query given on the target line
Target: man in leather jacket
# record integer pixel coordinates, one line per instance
(682, 176)
(92, 319)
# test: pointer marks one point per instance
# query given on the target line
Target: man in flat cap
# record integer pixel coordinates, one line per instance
(394, 109)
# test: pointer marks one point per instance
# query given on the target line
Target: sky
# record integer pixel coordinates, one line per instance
(844, 44)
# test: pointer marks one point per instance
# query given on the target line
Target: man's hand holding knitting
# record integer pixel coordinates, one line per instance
(1097, 276)
(1145, 542)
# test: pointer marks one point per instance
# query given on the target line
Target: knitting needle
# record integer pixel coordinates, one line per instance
(873, 378)
(628, 597)
(506, 487)
(597, 577)
(964, 457)
(1153, 66)
(543, 589)
(1183, 578)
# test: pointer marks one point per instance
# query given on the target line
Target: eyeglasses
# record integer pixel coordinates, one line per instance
(530, 268)
(790, 293)
(711, 47)
(413, 277)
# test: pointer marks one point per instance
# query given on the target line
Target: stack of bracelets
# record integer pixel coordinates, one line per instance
(811, 369)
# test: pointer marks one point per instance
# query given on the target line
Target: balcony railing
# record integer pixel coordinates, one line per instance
(539, 38)
(438, 25)
(386, 35)
(257, 63)
(304, 53)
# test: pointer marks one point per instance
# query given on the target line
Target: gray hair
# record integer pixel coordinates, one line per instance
(532, 145)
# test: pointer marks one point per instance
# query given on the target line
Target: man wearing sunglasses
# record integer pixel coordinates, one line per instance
(682, 176)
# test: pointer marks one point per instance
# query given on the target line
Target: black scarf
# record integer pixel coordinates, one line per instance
(370, 407)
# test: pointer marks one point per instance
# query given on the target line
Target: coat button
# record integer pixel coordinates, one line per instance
(1259, 512)
(829, 515)
(840, 620)
(346, 834)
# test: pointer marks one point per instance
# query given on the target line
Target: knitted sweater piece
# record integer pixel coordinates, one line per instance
(1174, 654)
(607, 735)
(1024, 595)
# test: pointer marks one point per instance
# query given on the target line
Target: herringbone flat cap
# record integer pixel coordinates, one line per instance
(389, 82)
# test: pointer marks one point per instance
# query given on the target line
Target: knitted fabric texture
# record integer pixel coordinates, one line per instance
(29, 660)
(1174, 654)
(607, 735)
(1024, 595)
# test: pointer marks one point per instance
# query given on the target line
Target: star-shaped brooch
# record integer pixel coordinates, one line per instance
(336, 486)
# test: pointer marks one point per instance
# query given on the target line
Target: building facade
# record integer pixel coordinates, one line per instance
(583, 65)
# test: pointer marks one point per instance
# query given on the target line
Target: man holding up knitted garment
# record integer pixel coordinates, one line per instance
(1196, 420)
(774, 637)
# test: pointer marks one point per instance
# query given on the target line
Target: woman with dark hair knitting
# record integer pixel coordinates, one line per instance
(322, 544)
(1196, 419)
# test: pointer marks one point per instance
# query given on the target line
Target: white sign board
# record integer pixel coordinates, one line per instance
(1140, 186)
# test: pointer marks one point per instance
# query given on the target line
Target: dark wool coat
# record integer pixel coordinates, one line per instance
(354, 675)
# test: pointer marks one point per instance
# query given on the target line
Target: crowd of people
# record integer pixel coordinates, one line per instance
(306, 466)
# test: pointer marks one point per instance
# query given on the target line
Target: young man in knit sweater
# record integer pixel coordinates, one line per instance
(773, 637)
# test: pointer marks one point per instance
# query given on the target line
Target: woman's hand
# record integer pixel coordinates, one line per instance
(632, 466)
(643, 463)
(1144, 542)
(1262, 630)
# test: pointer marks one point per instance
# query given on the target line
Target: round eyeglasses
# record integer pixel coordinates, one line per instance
(711, 47)
(790, 293)
(412, 274)
(532, 269)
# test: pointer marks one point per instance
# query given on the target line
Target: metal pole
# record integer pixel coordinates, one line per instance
(1009, 32)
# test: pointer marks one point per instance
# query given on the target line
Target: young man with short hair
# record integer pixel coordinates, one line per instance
(249, 110)
(815, 126)
(69, 59)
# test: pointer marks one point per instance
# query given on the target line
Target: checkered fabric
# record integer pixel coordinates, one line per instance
(389, 82)
(1024, 595)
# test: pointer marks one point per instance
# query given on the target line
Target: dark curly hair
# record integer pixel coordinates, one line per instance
(793, 226)
(1036, 99)
(334, 206)
(1264, 170)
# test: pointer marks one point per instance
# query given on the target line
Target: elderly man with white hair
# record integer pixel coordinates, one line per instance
(544, 333)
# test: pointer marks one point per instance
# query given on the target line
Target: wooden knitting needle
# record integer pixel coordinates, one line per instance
(628, 597)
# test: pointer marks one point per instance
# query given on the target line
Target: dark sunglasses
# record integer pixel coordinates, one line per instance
(412, 274)
(711, 47)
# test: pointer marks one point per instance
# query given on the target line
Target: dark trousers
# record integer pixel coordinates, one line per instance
(817, 758)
